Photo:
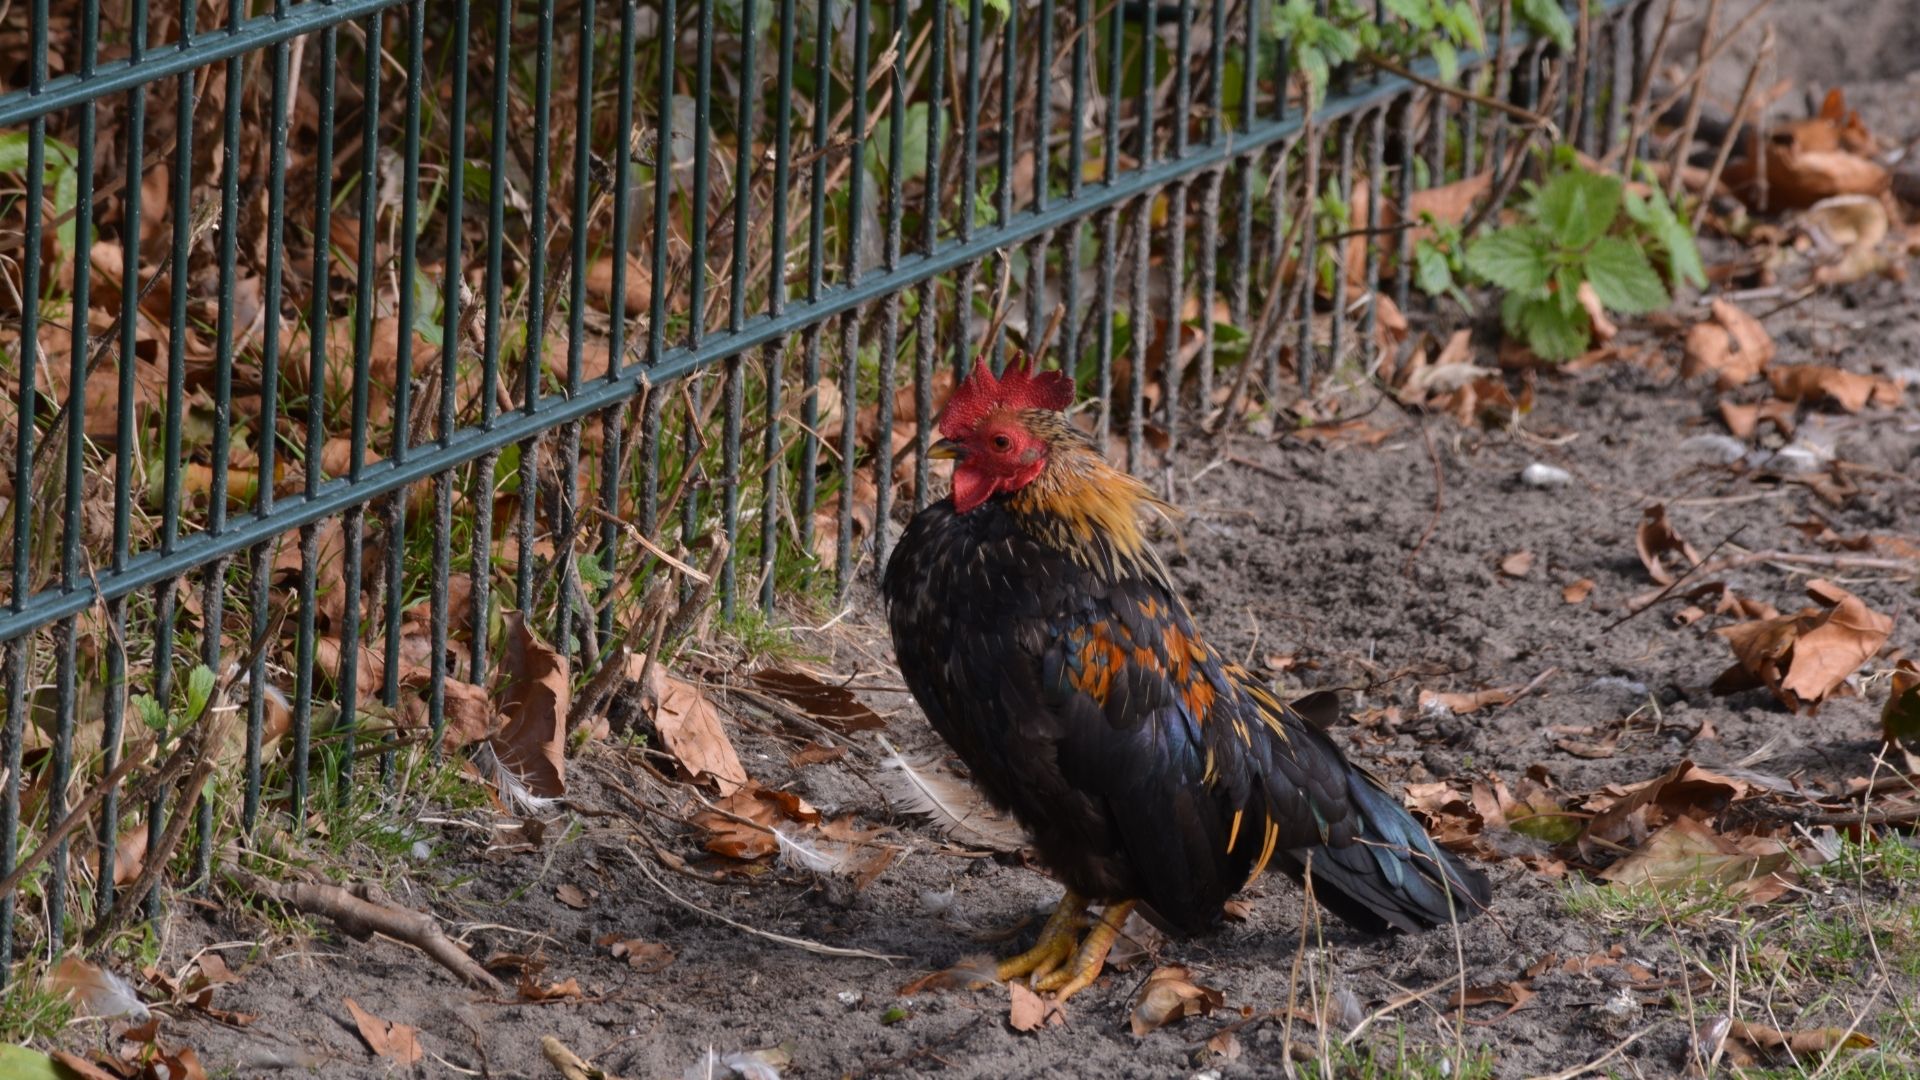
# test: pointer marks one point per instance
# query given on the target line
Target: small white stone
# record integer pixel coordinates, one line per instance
(1719, 449)
(849, 998)
(1545, 476)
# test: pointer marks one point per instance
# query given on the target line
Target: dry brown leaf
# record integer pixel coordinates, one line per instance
(690, 730)
(531, 989)
(1656, 539)
(1732, 345)
(533, 740)
(1686, 853)
(646, 957)
(1577, 591)
(1514, 995)
(1809, 160)
(1170, 995)
(1835, 648)
(835, 706)
(1900, 717)
(1812, 1043)
(82, 1068)
(1604, 328)
(398, 1042)
(1517, 565)
(572, 896)
(1628, 815)
(1806, 657)
(1460, 704)
(639, 284)
(1813, 382)
(814, 753)
(1744, 420)
(1028, 1011)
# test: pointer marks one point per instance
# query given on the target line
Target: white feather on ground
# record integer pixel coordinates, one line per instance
(513, 790)
(957, 808)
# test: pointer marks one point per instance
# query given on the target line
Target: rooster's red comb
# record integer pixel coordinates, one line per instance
(1019, 387)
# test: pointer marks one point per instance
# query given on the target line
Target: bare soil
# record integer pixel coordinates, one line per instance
(1372, 566)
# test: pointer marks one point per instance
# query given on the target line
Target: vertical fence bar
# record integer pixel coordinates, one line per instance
(534, 370)
(451, 290)
(127, 369)
(775, 352)
(927, 321)
(316, 426)
(662, 285)
(567, 582)
(816, 271)
(890, 326)
(180, 286)
(354, 520)
(732, 392)
(481, 580)
(266, 430)
(850, 322)
(969, 192)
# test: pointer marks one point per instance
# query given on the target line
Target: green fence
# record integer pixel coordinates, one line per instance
(360, 322)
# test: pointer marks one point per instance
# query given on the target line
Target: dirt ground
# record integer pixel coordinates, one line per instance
(1329, 554)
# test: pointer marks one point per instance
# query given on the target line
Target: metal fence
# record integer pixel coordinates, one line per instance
(336, 328)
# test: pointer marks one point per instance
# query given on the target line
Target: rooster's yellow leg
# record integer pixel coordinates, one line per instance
(1055, 944)
(1077, 976)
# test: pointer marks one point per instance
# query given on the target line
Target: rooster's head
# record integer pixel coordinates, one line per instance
(1000, 430)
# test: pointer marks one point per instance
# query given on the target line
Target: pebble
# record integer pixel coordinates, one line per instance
(1545, 476)
(1719, 449)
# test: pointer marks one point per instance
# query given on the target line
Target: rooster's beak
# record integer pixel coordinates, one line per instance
(945, 450)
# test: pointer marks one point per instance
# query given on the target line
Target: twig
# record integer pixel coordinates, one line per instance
(1532, 118)
(1582, 1070)
(362, 910)
(1677, 582)
(1733, 130)
(1439, 500)
(1695, 99)
(1642, 93)
(783, 939)
(1525, 690)
(1904, 815)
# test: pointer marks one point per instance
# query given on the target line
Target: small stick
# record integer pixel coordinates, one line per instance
(1677, 582)
(1733, 130)
(1533, 119)
(783, 939)
(1695, 99)
(364, 910)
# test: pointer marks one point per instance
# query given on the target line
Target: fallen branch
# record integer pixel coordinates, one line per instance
(364, 909)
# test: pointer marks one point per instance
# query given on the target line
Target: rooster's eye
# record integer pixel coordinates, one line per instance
(1002, 443)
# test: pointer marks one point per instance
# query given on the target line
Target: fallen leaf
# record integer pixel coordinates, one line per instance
(1813, 1043)
(72, 1065)
(1813, 382)
(1808, 160)
(646, 957)
(398, 1042)
(814, 753)
(690, 730)
(834, 706)
(572, 896)
(533, 740)
(1744, 420)
(1806, 657)
(1732, 345)
(1626, 816)
(1169, 996)
(1028, 1011)
(1852, 226)
(1514, 995)
(1656, 539)
(1900, 717)
(1604, 329)
(1577, 591)
(1459, 704)
(531, 989)
(1686, 853)
(1517, 565)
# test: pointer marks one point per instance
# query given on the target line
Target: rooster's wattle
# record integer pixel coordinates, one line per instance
(1041, 633)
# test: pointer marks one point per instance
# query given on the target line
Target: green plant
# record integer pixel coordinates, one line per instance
(1581, 228)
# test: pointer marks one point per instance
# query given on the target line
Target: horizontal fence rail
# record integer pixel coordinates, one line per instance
(344, 340)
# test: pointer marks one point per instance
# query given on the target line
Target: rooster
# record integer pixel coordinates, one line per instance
(1041, 633)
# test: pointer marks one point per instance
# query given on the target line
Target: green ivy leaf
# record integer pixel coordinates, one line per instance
(1623, 278)
(1514, 258)
(1577, 207)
